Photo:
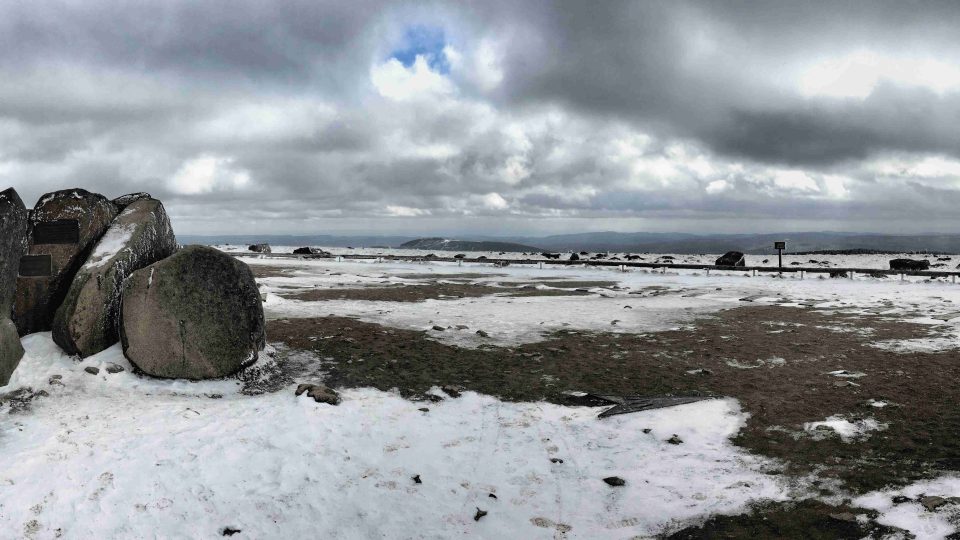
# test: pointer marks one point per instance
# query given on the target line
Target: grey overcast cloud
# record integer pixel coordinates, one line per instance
(491, 117)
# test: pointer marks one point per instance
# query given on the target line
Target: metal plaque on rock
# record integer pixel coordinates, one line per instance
(61, 231)
(36, 266)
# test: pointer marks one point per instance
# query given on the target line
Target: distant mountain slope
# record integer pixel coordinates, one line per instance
(443, 244)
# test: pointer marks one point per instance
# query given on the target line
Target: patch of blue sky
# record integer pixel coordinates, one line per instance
(423, 41)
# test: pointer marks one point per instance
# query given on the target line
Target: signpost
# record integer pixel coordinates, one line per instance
(780, 246)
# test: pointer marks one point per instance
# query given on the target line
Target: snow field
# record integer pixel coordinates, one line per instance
(120, 456)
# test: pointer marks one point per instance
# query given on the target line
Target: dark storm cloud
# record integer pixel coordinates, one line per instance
(293, 110)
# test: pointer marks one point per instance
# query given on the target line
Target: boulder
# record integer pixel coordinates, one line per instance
(909, 265)
(124, 201)
(194, 315)
(260, 248)
(64, 227)
(88, 319)
(11, 350)
(13, 244)
(574, 257)
(732, 258)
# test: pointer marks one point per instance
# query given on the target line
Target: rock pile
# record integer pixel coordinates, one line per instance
(909, 265)
(96, 271)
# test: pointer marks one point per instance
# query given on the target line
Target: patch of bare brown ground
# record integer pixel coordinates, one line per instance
(264, 271)
(712, 357)
(419, 293)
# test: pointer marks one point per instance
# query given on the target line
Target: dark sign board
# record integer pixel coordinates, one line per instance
(61, 231)
(36, 266)
(779, 245)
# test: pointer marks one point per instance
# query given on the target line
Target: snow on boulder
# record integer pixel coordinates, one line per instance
(88, 319)
(194, 315)
(124, 201)
(13, 244)
(64, 227)
(731, 258)
(909, 265)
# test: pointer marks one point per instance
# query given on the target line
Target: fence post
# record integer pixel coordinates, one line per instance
(851, 275)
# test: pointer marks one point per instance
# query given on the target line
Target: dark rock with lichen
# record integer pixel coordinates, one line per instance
(194, 315)
(87, 321)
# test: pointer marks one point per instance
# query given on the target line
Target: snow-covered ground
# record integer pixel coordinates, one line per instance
(123, 456)
(127, 456)
(657, 300)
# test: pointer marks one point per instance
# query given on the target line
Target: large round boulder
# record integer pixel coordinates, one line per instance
(13, 245)
(194, 315)
(64, 227)
(88, 319)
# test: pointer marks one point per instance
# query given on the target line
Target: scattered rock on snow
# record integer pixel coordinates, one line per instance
(931, 503)
(319, 392)
(452, 391)
(731, 258)
(438, 328)
(260, 248)
(87, 321)
(675, 439)
(65, 225)
(483, 334)
(416, 479)
(92, 370)
(194, 315)
(615, 481)
(114, 368)
(909, 264)
(480, 513)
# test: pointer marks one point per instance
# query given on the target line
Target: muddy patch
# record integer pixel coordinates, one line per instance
(419, 293)
(785, 371)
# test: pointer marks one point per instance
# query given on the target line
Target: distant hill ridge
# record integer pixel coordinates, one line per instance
(444, 244)
(682, 243)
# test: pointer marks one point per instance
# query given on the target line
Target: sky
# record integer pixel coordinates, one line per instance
(493, 117)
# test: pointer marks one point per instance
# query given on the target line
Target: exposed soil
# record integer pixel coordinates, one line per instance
(419, 293)
(265, 271)
(807, 519)
(922, 418)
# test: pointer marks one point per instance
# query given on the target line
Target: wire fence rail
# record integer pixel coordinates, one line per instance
(623, 265)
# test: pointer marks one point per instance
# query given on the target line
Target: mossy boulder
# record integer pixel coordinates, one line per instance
(64, 225)
(194, 315)
(87, 321)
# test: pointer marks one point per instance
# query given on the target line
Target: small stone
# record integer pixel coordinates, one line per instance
(647, 430)
(462, 327)
(416, 479)
(438, 328)
(480, 513)
(615, 481)
(931, 503)
(481, 333)
(319, 392)
(452, 391)
(675, 439)
(556, 460)
(114, 368)
(492, 496)
(91, 370)
(900, 499)
(423, 409)
(229, 531)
